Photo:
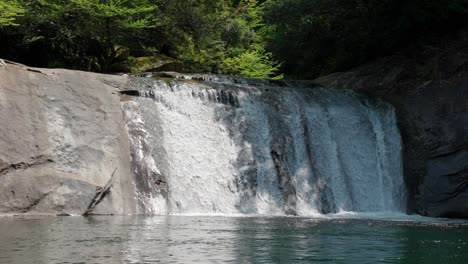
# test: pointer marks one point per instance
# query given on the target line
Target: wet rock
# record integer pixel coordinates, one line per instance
(429, 91)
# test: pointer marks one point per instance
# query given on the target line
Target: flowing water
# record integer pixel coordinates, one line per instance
(230, 146)
(202, 239)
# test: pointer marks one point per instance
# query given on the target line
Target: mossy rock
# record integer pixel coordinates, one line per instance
(148, 64)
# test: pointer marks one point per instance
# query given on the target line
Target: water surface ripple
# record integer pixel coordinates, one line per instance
(203, 239)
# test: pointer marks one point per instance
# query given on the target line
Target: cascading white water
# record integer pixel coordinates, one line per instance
(214, 147)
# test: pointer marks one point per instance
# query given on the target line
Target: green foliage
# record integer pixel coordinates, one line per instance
(256, 64)
(217, 36)
(10, 10)
(103, 15)
(251, 38)
(315, 37)
(205, 34)
(246, 55)
(83, 34)
(230, 42)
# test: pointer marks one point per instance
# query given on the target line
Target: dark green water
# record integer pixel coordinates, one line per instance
(184, 239)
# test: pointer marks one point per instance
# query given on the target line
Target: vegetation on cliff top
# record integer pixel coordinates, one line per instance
(251, 38)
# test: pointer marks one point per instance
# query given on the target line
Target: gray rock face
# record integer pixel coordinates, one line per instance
(430, 93)
(63, 145)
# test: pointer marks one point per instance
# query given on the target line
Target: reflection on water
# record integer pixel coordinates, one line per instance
(184, 239)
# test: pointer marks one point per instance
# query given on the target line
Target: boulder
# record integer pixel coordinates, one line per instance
(63, 145)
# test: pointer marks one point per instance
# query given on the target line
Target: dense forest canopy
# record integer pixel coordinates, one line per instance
(251, 38)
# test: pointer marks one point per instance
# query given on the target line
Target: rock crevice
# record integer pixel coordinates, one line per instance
(101, 193)
(35, 161)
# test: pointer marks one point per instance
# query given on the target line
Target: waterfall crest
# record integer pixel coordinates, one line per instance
(229, 146)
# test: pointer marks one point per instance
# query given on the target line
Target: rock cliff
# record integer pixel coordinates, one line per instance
(63, 146)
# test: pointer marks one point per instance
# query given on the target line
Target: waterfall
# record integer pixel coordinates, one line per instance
(232, 146)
